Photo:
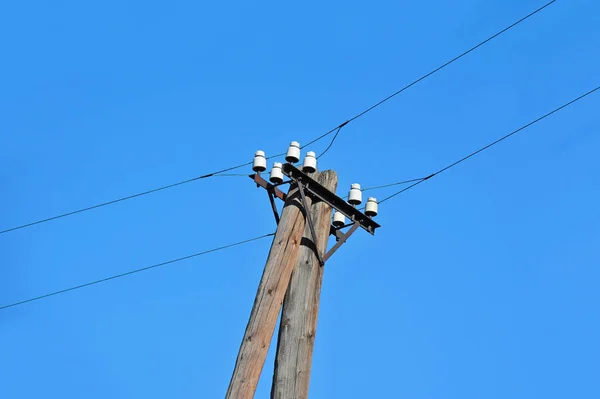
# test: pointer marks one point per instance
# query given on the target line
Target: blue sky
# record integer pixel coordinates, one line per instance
(482, 282)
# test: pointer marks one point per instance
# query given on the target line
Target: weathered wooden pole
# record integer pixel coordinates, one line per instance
(269, 297)
(301, 305)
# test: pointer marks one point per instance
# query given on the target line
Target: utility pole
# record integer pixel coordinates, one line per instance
(271, 290)
(298, 324)
(299, 247)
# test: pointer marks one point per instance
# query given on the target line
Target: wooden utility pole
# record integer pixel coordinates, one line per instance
(298, 325)
(271, 290)
(301, 225)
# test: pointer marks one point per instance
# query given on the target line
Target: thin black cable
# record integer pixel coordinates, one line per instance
(393, 184)
(133, 272)
(451, 61)
(274, 156)
(306, 145)
(389, 185)
(428, 74)
(89, 208)
(493, 143)
(233, 175)
(331, 143)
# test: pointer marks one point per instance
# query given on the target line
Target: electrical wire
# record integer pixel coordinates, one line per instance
(492, 144)
(389, 185)
(451, 61)
(393, 184)
(416, 182)
(335, 129)
(430, 73)
(122, 199)
(132, 272)
(233, 175)
(332, 141)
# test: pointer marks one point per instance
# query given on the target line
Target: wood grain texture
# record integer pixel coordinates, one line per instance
(301, 306)
(269, 297)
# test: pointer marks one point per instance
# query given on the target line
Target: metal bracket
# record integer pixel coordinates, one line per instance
(260, 182)
(310, 187)
(273, 206)
(272, 190)
(282, 183)
(310, 221)
(334, 231)
(341, 240)
(318, 191)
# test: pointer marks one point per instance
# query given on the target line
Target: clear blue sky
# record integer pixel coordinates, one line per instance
(482, 282)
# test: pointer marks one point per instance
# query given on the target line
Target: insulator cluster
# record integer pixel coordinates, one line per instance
(309, 165)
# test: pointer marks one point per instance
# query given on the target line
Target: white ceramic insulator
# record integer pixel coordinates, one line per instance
(260, 162)
(310, 163)
(355, 195)
(293, 153)
(339, 219)
(372, 207)
(276, 173)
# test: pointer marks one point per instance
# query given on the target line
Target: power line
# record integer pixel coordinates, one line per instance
(451, 61)
(416, 182)
(122, 199)
(393, 184)
(389, 185)
(335, 129)
(233, 175)
(133, 272)
(431, 73)
(332, 140)
(492, 144)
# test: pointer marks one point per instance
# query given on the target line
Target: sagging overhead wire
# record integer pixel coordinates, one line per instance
(398, 183)
(450, 62)
(461, 55)
(89, 208)
(492, 144)
(333, 139)
(143, 269)
(335, 129)
(393, 184)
